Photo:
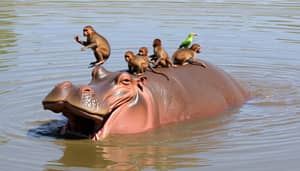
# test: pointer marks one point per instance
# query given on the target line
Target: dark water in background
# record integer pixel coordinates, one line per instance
(256, 42)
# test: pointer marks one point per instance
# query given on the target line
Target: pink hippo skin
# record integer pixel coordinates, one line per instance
(121, 103)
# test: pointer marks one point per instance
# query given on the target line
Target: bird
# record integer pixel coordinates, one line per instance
(187, 42)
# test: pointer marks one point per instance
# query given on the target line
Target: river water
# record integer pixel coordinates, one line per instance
(257, 42)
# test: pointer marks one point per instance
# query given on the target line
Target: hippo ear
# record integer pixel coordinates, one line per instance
(99, 72)
(141, 82)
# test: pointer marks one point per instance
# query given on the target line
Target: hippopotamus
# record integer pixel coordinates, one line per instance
(122, 103)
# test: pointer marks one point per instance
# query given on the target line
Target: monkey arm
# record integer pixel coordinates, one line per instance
(77, 39)
(91, 45)
(159, 56)
(130, 68)
(157, 62)
(84, 43)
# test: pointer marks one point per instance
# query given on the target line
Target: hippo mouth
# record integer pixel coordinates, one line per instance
(81, 123)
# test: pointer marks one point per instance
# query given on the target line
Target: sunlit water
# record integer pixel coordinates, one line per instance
(257, 42)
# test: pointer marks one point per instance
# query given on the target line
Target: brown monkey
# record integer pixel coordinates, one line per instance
(188, 55)
(139, 64)
(143, 51)
(160, 56)
(97, 43)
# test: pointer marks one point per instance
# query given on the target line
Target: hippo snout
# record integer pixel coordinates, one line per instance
(54, 106)
(65, 96)
(60, 92)
(55, 99)
(86, 99)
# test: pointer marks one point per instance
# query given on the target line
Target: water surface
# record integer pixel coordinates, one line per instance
(256, 42)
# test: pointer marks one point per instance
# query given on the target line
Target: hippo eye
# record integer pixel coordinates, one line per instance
(126, 81)
(124, 78)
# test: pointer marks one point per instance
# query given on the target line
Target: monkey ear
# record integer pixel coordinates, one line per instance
(141, 80)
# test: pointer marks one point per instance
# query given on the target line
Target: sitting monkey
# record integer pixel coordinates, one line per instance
(139, 64)
(160, 56)
(188, 55)
(143, 51)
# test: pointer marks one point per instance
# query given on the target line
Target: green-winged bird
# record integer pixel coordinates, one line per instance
(188, 41)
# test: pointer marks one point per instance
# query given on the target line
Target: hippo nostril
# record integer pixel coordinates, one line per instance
(86, 89)
(87, 98)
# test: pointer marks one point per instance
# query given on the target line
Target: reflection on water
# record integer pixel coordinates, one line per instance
(157, 149)
(7, 39)
(255, 41)
(3, 140)
(7, 36)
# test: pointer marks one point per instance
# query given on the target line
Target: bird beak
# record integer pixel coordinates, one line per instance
(195, 34)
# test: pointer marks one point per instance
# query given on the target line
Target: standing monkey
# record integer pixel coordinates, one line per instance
(97, 43)
(160, 56)
(188, 55)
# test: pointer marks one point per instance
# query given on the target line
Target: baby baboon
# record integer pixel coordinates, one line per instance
(160, 56)
(139, 64)
(188, 55)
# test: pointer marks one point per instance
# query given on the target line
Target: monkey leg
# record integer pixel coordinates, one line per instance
(157, 63)
(92, 64)
(99, 58)
(185, 63)
(198, 62)
(99, 63)
(169, 62)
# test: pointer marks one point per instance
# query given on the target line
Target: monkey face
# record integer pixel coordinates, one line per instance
(128, 56)
(143, 51)
(196, 48)
(156, 43)
(87, 31)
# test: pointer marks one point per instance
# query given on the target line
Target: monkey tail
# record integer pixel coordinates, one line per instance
(160, 73)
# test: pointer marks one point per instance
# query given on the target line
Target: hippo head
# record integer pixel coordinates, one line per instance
(113, 102)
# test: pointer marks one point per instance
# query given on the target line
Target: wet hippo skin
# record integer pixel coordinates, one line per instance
(121, 103)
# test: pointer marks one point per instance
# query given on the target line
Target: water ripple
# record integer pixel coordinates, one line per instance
(257, 42)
